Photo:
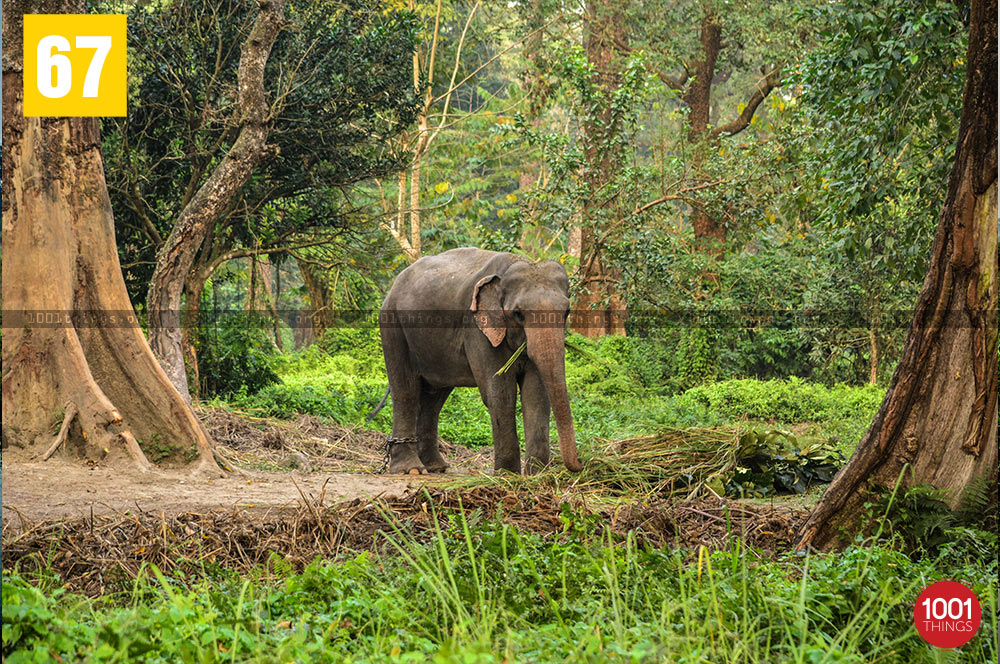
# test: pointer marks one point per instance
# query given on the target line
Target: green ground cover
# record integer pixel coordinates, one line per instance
(482, 591)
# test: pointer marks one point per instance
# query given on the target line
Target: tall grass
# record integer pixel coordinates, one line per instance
(477, 590)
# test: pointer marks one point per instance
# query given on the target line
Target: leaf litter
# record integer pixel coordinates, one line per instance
(658, 489)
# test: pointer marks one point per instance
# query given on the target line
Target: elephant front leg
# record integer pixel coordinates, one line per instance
(536, 412)
(502, 404)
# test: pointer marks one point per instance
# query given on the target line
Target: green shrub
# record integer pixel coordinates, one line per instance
(236, 354)
(786, 401)
(32, 627)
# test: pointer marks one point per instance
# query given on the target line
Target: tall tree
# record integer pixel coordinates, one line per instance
(600, 307)
(234, 153)
(177, 255)
(744, 46)
(938, 422)
(93, 366)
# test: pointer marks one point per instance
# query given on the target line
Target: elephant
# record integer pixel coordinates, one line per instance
(454, 320)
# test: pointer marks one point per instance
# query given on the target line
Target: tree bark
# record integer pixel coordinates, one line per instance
(93, 368)
(939, 419)
(196, 220)
(321, 302)
(194, 286)
(698, 97)
(600, 308)
(260, 300)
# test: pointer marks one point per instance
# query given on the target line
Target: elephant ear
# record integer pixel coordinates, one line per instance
(486, 309)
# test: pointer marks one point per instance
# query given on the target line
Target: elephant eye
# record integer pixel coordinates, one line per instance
(518, 315)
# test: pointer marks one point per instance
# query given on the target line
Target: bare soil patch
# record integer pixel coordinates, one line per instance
(266, 443)
(97, 526)
(274, 463)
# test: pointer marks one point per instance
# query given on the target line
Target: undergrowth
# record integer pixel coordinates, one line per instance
(483, 591)
(617, 388)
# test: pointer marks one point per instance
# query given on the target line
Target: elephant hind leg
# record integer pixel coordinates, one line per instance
(404, 384)
(431, 402)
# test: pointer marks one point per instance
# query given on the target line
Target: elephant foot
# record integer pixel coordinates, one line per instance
(403, 460)
(534, 465)
(512, 467)
(433, 461)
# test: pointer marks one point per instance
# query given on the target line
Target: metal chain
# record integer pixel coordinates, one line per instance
(387, 446)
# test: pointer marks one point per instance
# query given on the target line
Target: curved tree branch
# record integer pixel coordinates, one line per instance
(765, 85)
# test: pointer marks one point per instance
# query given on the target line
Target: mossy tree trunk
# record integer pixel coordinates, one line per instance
(600, 307)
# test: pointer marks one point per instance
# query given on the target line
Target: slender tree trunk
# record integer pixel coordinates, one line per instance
(194, 286)
(600, 308)
(261, 296)
(873, 359)
(321, 302)
(698, 97)
(415, 168)
(198, 217)
(93, 368)
(939, 418)
(276, 306)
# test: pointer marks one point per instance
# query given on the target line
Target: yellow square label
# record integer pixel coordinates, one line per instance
(74, 65)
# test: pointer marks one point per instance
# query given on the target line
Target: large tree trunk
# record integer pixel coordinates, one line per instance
(196, 220)
(93, 369)
(600, 308)
(939, 418)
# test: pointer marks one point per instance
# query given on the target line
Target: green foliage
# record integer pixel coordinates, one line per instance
(236, 354)
(157, 450)
(695, 358)
(791, 400)
(881, 91)
(777, 461)
(339, 87)
(482, 591)
(883, 84)
(31, 630)
(921, 519)
(335, 386)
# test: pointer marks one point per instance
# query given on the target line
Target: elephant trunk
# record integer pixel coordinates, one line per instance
(547, 349)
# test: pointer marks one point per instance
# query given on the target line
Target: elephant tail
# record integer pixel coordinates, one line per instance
(380, 406)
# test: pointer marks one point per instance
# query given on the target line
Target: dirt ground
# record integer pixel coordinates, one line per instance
(305, 488)
(278, 461)
(28, 490)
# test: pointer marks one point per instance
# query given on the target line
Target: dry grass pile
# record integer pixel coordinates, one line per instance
(691, 463)
(309, 441)
(103, 554)
(671, 464)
